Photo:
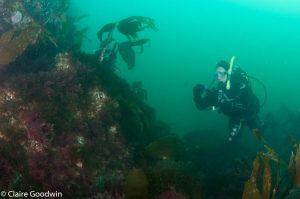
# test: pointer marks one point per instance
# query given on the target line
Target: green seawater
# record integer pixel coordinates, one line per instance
(193, 35)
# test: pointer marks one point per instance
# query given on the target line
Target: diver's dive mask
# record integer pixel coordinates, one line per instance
(221, 74)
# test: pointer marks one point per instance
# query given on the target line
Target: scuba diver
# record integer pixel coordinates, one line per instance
(233, 96)
(131, 25)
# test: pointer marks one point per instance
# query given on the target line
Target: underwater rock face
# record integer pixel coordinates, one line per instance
(60, 109)
(65, 127)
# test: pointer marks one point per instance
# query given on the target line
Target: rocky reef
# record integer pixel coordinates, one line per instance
(67, 123)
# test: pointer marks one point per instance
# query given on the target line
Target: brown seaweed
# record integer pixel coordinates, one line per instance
(13, 44)
(251, 190)
(127, 53)
(267, 179)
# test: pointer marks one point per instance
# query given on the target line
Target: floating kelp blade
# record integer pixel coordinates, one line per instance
(107, 28)
(127, 53)
(163, 148)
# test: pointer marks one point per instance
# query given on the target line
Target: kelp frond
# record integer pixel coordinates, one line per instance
(251, 189)
(262, 164)
(267, 179)
(294, 166)
(270, 151)
(13, 44)
(298, 166)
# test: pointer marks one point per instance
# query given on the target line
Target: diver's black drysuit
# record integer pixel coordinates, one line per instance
(239, 102)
